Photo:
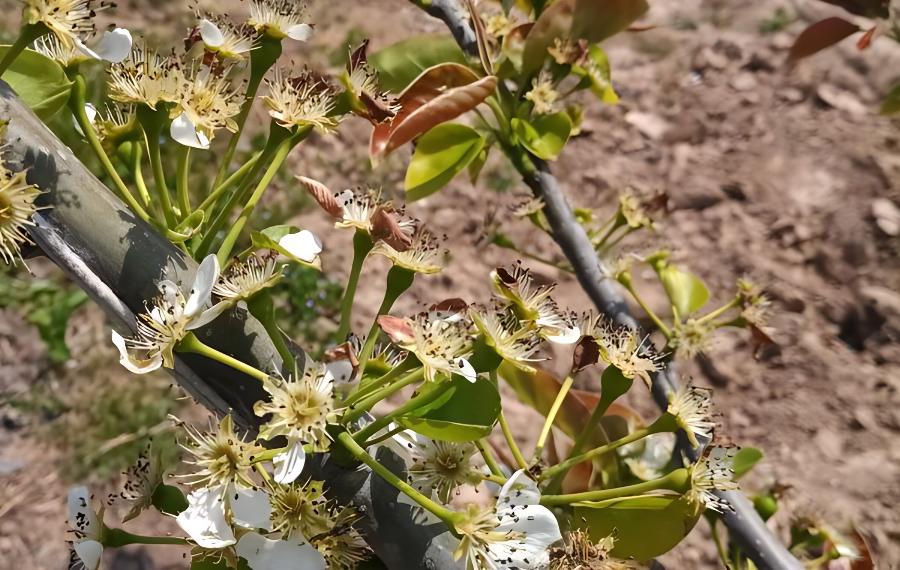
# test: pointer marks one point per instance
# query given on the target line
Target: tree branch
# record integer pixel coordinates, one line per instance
(746, 527)
(118, 259)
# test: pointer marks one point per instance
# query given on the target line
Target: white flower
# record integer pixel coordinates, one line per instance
(168, 322)
(16, 209)
(145, 77)
(533, 303)
(437, 466)
(513, 342)
(248, 277)
(142, 479)
(68, 20)
(516, 533)
(206, 519)
(441, 343)
(224, 39)
(113, 47)
(624, 349)
(291, 553)
(87, 527)
(289, 464)
(220, 456)
(300, 408)
(303, 245)
(692, 408)
(424, 255)
(280, 19)
(305, 100)
(712, 472)
(207, 102)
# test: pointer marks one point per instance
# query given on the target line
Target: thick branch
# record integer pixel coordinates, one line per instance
(118, 259)
(746, 527)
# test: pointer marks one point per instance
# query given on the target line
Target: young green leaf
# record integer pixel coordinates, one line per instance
(39, 81)
(400, 63)
(596, 75)
(686, 291)
(671, 518)
(466, 413)
(744, 460)
(544, 136)
(441, 154)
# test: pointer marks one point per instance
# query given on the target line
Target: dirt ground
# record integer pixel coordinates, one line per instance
(787, 176)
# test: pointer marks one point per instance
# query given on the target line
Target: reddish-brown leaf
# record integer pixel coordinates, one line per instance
(481, 38)
(322, 195)
(586, 353)
(398, 328)
(454, 305)
(867, 8)
(386, 227)
(441, 93)
(824, 33)
(866, 40)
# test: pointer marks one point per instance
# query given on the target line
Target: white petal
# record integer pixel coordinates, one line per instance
(569, 335)
(250, 508)
(90, 552)
(204, 281)
(300, 32)
(519, 490)
(293, 553)
(114, 46)
(540, 529)
(86, 51)
(207, 316)
(289, 465)
(302, 245)
(184, 132)
(82, 517)
(465, 369)
(131, 363)
(204, 519)
(341, 371)
(169, 290)
(211, 34)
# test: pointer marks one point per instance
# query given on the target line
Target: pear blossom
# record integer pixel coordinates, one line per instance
(280, 19)
(213, 511)
(580, 552)
(712, 472)
(288, 553)
(17, 206)
(87, 527)
(206, 102)
(516, 532)
(424, 253)
(303, 245)
(543, 95)
(304, 100)
(170, 319)
(67, 20)
(146, 78)
(692, 408)
(625, 349)
(142, 479)
(224, 39)
(244, 279)
(220, 456)
(368, 100)
(441, 343)
(113, 47)
(502, 331)
(533, 303)
(438, 467)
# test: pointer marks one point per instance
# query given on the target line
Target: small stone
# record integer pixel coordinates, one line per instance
(864, 418)
(840, 99)
(791, 95)
(744, 81)
(735, 191)
(829, 443)
(650, 125)
(709, 58)
(887, 216)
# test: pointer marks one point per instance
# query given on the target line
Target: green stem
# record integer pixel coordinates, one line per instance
(362, 245)
(511, 442)
(563, 467)
(181, 182)
(367, 388)
(384, 437)
(678, 480)
(498, 479)
(152, 122)
(720, 311)
(28, 34)
(625, 280)
(192, 344)
(284, 149)
(76, 104)
(423, 399)
(449, 517)
(116, 537)
(261, 60)
(489, 459)
(399, 280)
(355, 411)
(137, 153)
(551, 416)
(236, 177)
(263, 309)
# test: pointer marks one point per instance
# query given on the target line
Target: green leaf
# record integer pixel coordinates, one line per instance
(269, 238)
(546, 135)
(400, 63)
(686, 291)
(441, 154)
(39, 81)
(645, 527)
(466, 412)
(744, 460)
(596, 75)
(891, 103)
(169, 500)
(477, 164)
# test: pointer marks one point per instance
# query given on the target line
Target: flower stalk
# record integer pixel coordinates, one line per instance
(362, 245)
(399, 279)
(678, 481)
(194, 345)
(152, 121)
(551, 416)
(356, 411)
(414, 403)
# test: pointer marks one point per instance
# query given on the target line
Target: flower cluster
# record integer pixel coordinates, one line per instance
(442, 342)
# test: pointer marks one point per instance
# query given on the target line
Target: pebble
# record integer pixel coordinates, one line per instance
(887, 216)
(744, 81)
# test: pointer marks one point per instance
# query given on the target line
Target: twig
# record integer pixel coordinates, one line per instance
(746, 527)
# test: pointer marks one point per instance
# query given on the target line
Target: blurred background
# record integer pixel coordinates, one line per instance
(786, 176)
